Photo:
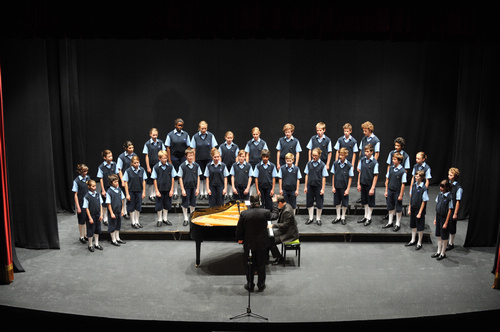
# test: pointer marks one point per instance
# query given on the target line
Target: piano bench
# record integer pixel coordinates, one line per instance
(294, 245)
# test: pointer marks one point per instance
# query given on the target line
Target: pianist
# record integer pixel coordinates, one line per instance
(285, 230)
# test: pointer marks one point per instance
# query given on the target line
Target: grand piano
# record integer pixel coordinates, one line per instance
(215, 224)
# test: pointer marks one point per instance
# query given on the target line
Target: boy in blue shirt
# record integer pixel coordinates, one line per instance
(343, 173)
(289, 181)
(348, 142)
(163, 175)
(395, 180)
(114, 202)
(456, 196)
(287, 144)
(444, 206)
(265, 175)
(320, 140)
(367, 181)
(315, 180)
(417, 210)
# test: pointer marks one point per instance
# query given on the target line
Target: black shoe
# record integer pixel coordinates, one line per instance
(167, 222)
(185, 223)
(152, 198)
(126, 216)
(441, 257)
(387, 225)
(175, 197)
(343, 222)
(309, 221)
(362, 221)
(136, 226)
(409, 244)
(334, 221)
(359, 200)
(105, 223)
(116, 244)
(91, 248)
(396, 228)
(436, 255)
(418, 247)
(318, 222)
(368, 222)
(262, 287)
(158, 223)
(450, 246)
(249, 287)
(82, 240)
(278, 261)
(139, 224)
(99, 247)
(121, 241)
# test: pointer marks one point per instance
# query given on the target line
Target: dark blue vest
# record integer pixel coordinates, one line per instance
(135, 180)
(163, 177)
(289, 178)
(241, 175)
(323, 146)
(255, 150)
(116, 200)
(203, 146)
(367, 171)
(178, 144)
(189, 175)
(216, 177)
(417, 194)
(341, 178)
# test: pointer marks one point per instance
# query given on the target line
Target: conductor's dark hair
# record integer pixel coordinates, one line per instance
(280, 199)
(254, 200)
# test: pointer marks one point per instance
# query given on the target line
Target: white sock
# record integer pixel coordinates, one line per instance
(398, 218)
(113, 237)
(117, 235)
(318, 214)
(440, 245)
(124, 206)
(370, 211)
(159, 213)
(391, 217)
(311, 212)
(191, 209)
(366, 211)
(96, 238)
(137, 213)
(185, 212)
(413, 234)
(165, 214)
(105, 215)
(337, 208)
(344, 209)
(420, 237)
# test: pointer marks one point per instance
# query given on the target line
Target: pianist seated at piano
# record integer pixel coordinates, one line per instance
(285, 230)
(252, 232)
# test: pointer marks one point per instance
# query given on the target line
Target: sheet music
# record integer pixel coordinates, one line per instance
(270, 230)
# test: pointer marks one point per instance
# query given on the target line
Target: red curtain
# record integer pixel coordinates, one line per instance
(7, 267)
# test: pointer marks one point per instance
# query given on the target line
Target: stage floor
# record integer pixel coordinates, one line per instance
(343, 284)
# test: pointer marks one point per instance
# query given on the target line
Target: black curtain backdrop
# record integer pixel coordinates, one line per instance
(66, 100)
(427, 72)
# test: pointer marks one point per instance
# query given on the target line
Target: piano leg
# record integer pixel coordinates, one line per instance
(198, 249)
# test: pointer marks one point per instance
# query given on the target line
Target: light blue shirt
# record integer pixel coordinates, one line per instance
(376, 148)
(265, 166)
(289, 169)
(406, 161)
(119, 162)
(255, 142)
(193, 141)
(229, 147)
(180, 172)
(75, 185)
(144, 176)
(316, 164)
(375, 169)
(347, 140)
(450, 204)
(250, 171)
(342, 165)
(297, 147)
(145, 150)
(460, 191)
(105, 164)
(427, 173)
(310, 144)
(169, 143)
(116, 190)
(403, 177)
(207, 171)
(425, 195)
(86, 202)
(155, 176)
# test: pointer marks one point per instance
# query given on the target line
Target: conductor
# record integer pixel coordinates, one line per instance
(251, 231)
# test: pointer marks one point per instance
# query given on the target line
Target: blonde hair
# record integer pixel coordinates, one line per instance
(317, 150)
(152, 130)
(254, 129)
(347, 126)
(214, 152)
(289, 155)
(455, 172)
(162, 153)
(188, 151)
(289, 126)
(344, 151)
(367, 125)
(202, 122)
(422, 154)
(228, 133)
(90, 182)
(320, 125)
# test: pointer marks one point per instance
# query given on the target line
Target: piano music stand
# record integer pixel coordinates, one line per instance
(249, 312)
